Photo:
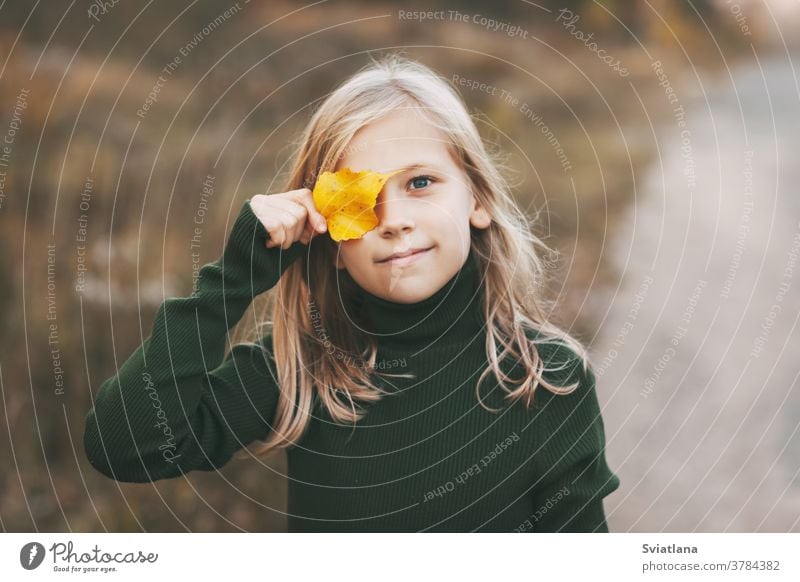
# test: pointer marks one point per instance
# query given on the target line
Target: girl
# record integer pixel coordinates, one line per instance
(412, 374)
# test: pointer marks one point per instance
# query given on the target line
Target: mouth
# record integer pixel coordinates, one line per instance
(405, 258)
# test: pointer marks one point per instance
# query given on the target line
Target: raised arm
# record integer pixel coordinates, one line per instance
(174, 406)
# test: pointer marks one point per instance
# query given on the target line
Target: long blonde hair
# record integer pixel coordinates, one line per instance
(308, 296)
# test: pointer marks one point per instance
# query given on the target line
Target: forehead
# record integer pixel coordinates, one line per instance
(401, 138)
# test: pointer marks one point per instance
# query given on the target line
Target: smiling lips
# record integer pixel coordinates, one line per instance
(405, 257)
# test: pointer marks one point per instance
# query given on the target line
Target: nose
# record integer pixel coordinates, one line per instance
(394, 215)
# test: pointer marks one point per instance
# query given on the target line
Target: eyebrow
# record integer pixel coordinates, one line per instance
(417, 166)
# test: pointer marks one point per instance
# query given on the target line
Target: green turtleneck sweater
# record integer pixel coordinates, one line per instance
(427, 457)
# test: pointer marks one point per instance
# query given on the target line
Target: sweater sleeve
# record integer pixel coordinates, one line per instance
(174, 406)
(573, 475)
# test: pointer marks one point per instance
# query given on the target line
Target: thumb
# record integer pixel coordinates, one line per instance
(318, 221)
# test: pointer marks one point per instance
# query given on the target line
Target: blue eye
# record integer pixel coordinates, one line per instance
(415, 180)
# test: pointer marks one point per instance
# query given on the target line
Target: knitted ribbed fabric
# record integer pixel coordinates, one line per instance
(426, 457)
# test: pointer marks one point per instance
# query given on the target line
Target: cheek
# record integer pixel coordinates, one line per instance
(353, 253)
(452, 205)
(449, 218)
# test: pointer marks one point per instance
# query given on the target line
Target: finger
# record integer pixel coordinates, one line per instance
(302, 229)
(305, 197)
(277, 235)
(271, 228)
(296, 216)
(298, 229)
(289, 232)
(308, 233)
(290, 227)
(289, 205)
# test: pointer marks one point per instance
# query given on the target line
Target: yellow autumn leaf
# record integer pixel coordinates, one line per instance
(347, 201)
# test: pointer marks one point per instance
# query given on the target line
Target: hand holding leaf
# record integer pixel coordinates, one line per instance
(347, 201)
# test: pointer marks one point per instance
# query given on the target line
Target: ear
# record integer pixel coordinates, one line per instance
(479, 217)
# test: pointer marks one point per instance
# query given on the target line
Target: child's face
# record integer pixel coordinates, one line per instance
(428, 207)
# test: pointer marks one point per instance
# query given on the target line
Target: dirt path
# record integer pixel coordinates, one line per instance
(699, 354)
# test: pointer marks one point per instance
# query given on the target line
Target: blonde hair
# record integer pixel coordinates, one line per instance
(511, 258)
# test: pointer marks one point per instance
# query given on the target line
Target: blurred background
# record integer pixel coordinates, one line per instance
(658, 139)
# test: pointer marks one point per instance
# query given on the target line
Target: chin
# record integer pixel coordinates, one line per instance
(404, 293)
(408, 299)
(407, 290)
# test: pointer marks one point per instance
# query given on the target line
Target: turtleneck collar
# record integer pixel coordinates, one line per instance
(451, 314)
